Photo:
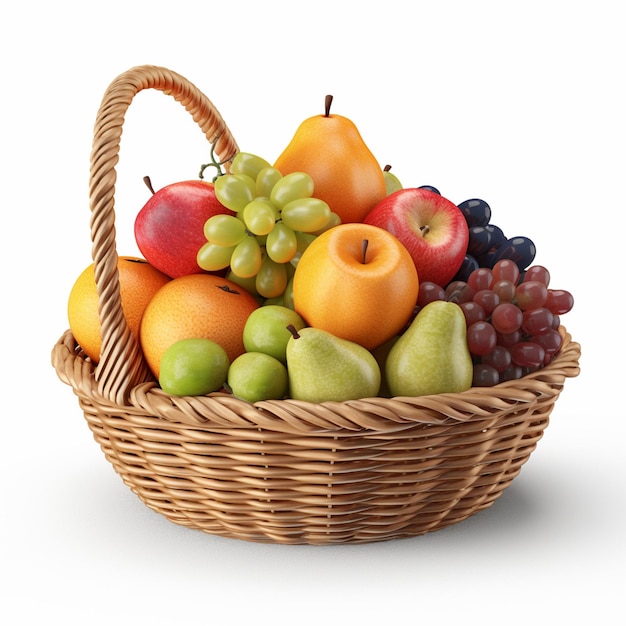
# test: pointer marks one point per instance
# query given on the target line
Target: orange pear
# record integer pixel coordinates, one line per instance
(345, 173)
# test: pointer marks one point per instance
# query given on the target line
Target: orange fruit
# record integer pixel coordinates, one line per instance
(139, 281)
(363, 293)
(196, 306)
(345, 173)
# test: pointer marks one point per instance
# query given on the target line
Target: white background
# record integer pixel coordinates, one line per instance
(520, 104)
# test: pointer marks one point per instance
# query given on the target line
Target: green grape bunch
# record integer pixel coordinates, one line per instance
(276, 218)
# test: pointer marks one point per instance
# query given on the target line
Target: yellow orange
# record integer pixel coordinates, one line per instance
(195, 306)
(139, 281)
(363, 294)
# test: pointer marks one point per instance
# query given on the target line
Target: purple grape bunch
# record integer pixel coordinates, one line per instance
(487, 242)
(512, 313)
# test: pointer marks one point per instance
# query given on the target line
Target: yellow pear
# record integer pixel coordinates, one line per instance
(345, 173)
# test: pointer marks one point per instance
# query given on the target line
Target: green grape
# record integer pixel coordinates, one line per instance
(292, 187)
(277, 300)
(246, 258)
(234, 191)
(306, 214)
(212, 257)
(260, 216)
(303, 239)
(291, 269)
(276, 218)
(249, 283)
(265, 181)
(281, 244)
(271, 279)
(333, 220)
(248, 164)
(224, 230)
(288, 294)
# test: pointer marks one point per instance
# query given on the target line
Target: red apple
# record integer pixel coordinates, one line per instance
(431, 227)
(169, 229)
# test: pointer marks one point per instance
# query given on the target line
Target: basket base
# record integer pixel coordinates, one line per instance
(380, 498)
(294, 473)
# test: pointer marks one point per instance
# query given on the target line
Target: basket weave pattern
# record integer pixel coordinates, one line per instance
(285, 471)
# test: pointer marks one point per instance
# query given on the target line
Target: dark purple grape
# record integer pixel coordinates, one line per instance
(508, 340)
(485, 376)
(519, 249)
(429, 292)
(487, 299)
(481, 338)
(559, 301)
(551, 341)
(505, 290)
(531, 294)
(506, 270)
(507, 318)
(473, 312)
(538, 272)
(484, 239)
(537, 321)
(467, 267)
(476, 212)
(459, 291)
(514, 372)
(499, 358)
(527, 354)
(430, 188)
(481, 278)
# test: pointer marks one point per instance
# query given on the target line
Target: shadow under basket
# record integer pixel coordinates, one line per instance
(285, 471)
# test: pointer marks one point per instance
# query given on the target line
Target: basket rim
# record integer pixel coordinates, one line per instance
(221, 409)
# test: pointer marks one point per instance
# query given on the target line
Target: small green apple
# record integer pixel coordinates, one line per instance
(255, 376)
(266, 330)
(193, 367)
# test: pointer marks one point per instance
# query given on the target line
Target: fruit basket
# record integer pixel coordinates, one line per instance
(287, 471)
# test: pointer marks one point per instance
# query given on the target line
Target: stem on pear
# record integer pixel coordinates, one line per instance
(292, 329)
(148, 183)
(387, 168)
(327, 103)
(364, 245)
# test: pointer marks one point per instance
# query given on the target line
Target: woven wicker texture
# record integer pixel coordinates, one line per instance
(287, 471)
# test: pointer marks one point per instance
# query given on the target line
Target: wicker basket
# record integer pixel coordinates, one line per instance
(285, 471)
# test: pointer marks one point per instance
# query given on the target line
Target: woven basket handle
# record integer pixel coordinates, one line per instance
(122, 365)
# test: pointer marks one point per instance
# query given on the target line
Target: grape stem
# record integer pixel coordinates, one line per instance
(216, 164)
(327, 103)
(364, 245)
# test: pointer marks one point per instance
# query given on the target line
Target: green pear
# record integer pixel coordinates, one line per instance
(323, 367)
(392, 182)
(432, 355)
